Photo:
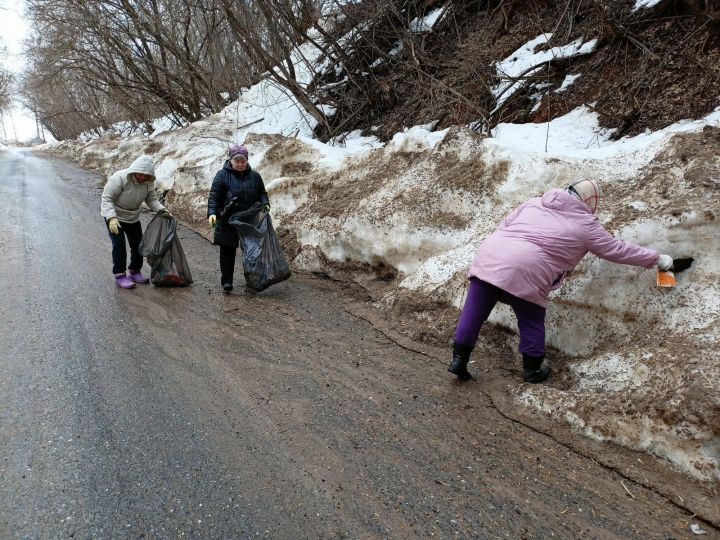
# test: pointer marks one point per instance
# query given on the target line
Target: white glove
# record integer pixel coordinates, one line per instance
(665, 263)
(212, 220)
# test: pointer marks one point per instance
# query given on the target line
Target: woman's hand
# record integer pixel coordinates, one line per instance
(665, 263)
(114, 225)
(212, 220)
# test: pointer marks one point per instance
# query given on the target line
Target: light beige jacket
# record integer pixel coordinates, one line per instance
(123, 196)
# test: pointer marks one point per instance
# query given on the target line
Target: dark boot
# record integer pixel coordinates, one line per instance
(461, 357)
(533, 369)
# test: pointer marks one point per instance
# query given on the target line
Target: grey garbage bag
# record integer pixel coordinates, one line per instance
(161, 246)
(263, 260)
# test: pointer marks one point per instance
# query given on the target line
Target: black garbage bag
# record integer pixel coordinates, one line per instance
(263, 260)
(161, 246)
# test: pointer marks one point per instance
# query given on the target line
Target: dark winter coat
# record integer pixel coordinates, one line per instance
(244, 188)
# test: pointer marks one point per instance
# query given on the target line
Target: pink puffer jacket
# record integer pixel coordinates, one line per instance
(541, 241)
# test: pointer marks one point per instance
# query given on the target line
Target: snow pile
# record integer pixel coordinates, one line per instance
(567, 82)
(126, 129)
(645, 4)
(647, 363)
(647, 367)
(426, 23)
(512, 73)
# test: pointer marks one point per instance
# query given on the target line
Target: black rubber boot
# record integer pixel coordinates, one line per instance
(227, 287)
(461, 357)
(533, 369)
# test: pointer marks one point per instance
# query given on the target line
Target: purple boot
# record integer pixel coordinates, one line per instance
(137, 277)
(124, 282)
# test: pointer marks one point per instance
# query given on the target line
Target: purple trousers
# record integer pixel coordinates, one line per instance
(481, 300)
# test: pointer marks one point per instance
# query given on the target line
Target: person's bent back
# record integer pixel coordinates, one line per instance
(530, 254)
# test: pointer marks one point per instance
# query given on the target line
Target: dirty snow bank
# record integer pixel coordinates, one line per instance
(647, 370)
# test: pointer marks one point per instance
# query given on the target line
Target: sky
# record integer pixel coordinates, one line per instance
(18, 122)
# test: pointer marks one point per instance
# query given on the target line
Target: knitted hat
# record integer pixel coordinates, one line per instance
(237, 149)
(588, 191)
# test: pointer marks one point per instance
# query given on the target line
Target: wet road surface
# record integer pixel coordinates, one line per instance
(186, 413)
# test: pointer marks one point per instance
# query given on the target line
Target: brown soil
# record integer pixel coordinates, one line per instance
(340, 196)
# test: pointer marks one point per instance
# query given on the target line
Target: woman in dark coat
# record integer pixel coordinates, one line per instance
(236, 187)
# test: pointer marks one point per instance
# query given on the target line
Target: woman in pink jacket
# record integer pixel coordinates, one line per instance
(528, 256)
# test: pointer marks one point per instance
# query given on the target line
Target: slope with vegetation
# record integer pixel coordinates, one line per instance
(649, 67)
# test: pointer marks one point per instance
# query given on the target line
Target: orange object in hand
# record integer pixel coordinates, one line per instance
(665, 279)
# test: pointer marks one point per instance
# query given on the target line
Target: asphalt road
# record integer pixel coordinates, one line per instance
(186, 413)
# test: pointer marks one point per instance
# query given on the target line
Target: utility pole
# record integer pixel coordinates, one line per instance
(37, 123)
(2, 120)
(12, 123)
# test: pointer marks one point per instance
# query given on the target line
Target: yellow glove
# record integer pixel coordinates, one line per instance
(114, 225)
(212, 220)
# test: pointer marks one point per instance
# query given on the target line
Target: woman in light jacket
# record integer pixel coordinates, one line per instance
(122, 197)
(528, 256)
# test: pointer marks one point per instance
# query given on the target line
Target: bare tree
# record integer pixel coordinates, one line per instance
(138, 58)
(6, 87)
(269, 32)
(7, 82)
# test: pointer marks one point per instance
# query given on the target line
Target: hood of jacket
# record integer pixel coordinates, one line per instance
(142, 165)
(562, 201)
